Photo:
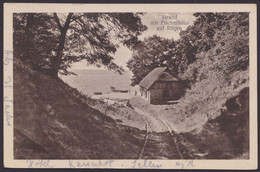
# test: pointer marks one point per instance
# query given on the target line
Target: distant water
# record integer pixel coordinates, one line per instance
(90, 81)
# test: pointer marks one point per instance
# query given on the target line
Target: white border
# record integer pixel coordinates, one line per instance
(10, 8)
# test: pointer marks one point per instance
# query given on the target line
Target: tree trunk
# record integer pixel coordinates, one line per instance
(56, 62)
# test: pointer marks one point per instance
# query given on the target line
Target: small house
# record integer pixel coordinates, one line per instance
(161, 86)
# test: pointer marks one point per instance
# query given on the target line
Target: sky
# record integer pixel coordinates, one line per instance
(166, 25)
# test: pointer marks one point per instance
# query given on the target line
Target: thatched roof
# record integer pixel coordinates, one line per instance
(158, 74)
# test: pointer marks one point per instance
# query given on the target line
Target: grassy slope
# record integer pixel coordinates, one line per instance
(50, 122)
(226, 136)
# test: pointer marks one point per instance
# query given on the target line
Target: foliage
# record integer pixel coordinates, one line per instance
(35, 40)
(197, 38)
(213, 54)
(220, 72)
(55, 41)
(153, 52)
(202, 36)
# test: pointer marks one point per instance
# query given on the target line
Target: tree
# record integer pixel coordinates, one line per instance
(153, 52)
(94, 37)
(199, 37)
(35, 39)
(226, 33)
(221, 71)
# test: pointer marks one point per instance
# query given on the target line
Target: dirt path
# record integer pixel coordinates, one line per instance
(160, 141)
(155, 124)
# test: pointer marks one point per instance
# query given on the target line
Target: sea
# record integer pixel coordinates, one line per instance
(88, 81)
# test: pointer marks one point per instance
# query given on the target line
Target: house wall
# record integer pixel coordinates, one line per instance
(145, 94)
(165, 91)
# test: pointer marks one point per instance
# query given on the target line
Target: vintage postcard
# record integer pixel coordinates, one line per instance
(140, 86)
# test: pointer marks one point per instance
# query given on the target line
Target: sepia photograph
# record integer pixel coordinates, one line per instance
(139, 86)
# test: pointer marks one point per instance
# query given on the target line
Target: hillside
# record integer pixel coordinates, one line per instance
(50, 122)
(53, 120)
(224, 137)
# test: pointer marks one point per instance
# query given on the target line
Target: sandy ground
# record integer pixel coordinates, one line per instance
(167, 113)
(140, 111)
(154, 123)
(156, 114)
(120, 112)
(140, 114)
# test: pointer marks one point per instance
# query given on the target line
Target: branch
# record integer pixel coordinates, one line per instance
(57, 21)
(66, 25)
